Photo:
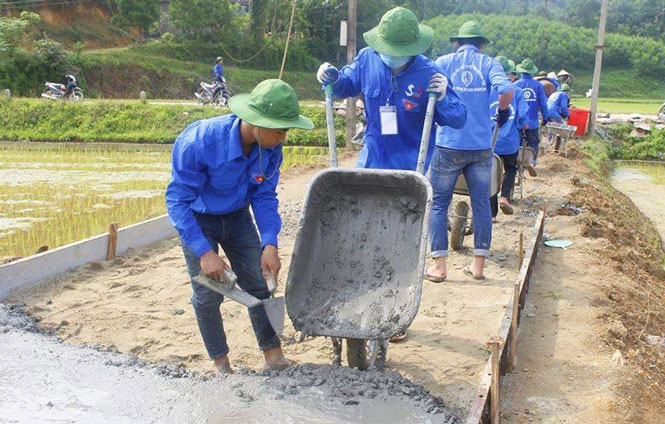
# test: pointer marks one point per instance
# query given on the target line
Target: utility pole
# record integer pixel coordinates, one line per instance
(350, 55)
(595, 88)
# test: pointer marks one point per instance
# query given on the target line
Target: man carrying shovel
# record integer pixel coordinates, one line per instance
(395, 79)
(221, 166)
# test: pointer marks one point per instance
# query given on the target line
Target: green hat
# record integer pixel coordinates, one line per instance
(219, 58)
(272, 104)
(565, 87)
(508, 65)
(527, 67)
(470, 29)
(542, 74)
(399, 34)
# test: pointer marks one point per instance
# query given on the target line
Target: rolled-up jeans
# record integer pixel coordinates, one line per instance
(236, 233)
(532, 139)
(508, 182)
(447, 165)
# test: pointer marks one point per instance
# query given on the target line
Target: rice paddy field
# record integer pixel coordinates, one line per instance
(655, 170)
(52, 194)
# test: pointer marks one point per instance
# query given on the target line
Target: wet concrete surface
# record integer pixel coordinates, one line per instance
(45, 380)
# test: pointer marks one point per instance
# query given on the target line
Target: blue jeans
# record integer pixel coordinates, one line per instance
(532, 139)
(447, 165)
(236, 233)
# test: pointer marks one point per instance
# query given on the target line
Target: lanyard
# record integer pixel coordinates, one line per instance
(262, 175)
(393, 87)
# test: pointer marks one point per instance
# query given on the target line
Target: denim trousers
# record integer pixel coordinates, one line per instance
(509, 172)
(447, 165)
(236, 234)
(532, 139)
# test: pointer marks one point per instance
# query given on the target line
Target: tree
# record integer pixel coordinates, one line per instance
(201, 17)
(137, 13)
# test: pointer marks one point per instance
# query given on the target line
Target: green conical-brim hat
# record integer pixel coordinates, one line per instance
(470, 29)
(272, 104)
(399, 34)
(565, 87)
(527, 67)
(508, 65)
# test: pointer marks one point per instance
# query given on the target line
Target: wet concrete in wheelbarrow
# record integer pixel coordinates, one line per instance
(43, 379)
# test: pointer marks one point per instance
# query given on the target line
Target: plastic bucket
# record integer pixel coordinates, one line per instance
(580, 119)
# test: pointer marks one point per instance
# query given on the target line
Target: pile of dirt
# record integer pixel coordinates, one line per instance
(634, 292)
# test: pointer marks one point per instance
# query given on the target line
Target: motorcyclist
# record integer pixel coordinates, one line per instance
(70, 85)
(218, 70)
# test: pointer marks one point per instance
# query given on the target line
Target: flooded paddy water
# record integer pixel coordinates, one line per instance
(52, 194)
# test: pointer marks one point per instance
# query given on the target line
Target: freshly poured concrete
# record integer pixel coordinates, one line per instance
(45, 380)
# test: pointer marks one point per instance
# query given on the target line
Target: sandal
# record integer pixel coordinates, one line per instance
(506, 208)
(469, 272)
(398, 337)
(532, 170)
(434, 278)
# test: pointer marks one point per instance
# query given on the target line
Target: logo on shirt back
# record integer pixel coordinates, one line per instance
(529, 95)
(467, 78)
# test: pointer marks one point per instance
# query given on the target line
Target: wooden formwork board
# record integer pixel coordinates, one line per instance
(480, 408)
(29, 272)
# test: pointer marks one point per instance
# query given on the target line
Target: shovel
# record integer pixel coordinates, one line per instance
(273, 306)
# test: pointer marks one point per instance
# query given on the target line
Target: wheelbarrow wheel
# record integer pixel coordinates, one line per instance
(458, 225)
(356, 353)
(557, 144)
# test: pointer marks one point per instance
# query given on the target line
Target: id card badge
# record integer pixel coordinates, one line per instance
(388, 120)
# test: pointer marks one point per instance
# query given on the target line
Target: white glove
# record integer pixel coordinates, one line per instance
(327, 74)
(438, 83)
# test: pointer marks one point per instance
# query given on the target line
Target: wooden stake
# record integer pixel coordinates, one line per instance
(495, 346)
(519, 266)
(113, 241)
(513, 328)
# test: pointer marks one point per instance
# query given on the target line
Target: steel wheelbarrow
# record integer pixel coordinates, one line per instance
(358, 261)
(460, 224)
(525, 155)
(561, 132)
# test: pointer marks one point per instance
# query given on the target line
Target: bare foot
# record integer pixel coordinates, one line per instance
(223, 365)
(505, 206)
(275, 359)
(437, 272)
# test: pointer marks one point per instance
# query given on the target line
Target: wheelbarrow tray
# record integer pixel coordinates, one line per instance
(495, 183)
(525, 155)
(562, 130)
(359, 256)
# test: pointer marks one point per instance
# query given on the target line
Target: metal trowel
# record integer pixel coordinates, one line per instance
(273, 306)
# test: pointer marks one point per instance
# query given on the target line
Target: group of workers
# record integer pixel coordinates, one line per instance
(224, 165)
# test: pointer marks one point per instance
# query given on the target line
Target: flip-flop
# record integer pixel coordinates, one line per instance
(468, 272)
(532, 170)
(433, 278)
(278, 367)
(506, 208)
(398, 337)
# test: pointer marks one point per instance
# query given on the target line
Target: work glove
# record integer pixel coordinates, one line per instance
(327, 74)
(502, 116)
(438, 84)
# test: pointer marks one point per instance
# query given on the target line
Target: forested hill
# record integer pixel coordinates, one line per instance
(554, 45)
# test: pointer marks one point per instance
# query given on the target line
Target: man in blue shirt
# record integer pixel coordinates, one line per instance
(218, 71)
(394, 78)
(537, 101)
(508, 143)
(467, 150)
(558, 104)
(221, 166)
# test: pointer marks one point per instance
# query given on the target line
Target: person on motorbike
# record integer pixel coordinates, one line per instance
(70, 85)
(218, 70)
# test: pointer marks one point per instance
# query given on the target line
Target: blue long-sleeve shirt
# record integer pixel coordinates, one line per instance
(534, 93)
(219, 71)
(557, 105)
(211, 175)
(406, 91)
(509, 134)
(473, 75)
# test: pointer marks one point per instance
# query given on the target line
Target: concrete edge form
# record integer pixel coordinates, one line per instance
(28, 272)
(479, 412)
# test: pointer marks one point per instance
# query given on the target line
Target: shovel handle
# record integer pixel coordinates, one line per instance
(427, 130)
(330, 121)
(270, 280)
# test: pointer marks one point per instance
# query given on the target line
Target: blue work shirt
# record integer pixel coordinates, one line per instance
(473, 75)
(406, 91)
(212, 175)
(557, 105)
(534, 93)
(219, 71)
(555, 82)
(509, 134)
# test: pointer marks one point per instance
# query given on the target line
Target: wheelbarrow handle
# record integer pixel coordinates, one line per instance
(330, 121)
(427, 130)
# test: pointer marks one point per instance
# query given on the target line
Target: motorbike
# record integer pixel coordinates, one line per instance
(56, 91)
(216, 93)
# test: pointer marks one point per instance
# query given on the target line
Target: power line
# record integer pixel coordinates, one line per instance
(32, 4)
